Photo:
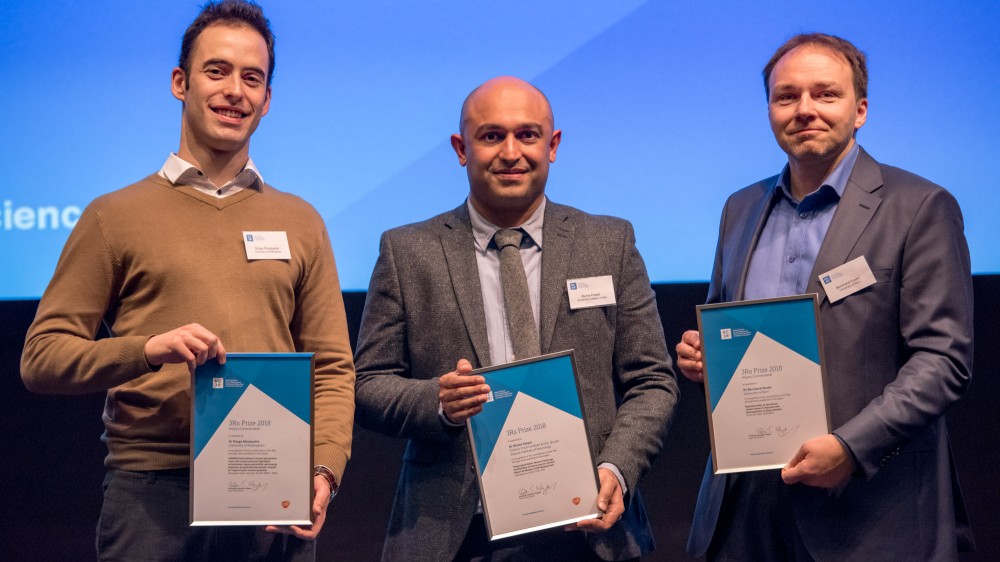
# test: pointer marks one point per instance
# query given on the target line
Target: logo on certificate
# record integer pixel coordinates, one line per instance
(572, 286)
(285, 504)
(217, 382)
(726, 333)
(489, 396)
(249, 237)
(576, 500)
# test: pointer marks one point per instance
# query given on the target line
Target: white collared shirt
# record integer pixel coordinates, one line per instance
(178, 171)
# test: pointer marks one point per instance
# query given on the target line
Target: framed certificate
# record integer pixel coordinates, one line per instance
(764, 380)
(531, 447)
(252, 440)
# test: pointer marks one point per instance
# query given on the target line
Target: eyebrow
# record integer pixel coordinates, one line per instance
(518, 127)
(225, 62)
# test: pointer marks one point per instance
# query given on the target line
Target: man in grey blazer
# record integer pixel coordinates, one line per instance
(898, 350)
(435, 311)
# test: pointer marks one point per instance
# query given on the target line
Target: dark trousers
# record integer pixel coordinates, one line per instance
(756, 522)
(145, 517)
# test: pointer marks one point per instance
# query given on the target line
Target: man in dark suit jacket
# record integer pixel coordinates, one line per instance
(898, 351)
(435, 311)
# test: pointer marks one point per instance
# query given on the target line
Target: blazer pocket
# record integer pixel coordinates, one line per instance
(882, 274)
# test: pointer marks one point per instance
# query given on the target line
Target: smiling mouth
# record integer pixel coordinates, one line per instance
(232, 113)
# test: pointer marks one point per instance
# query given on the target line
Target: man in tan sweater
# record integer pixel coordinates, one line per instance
(163, 265)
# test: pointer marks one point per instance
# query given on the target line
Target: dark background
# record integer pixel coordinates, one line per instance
(52, 463)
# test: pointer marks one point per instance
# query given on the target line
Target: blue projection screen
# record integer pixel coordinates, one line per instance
(661, 106)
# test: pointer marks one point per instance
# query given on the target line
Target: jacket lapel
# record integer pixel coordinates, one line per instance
(459, 252)
(855, 210)
(747, 239)
(557, 249)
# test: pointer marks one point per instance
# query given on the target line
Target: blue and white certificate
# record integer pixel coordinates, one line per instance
(252, 440)
(764, 380)
(531, 447)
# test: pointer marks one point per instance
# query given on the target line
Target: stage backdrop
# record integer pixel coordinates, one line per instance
(661, 105)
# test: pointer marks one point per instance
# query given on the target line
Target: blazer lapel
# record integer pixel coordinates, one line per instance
(855, 210)
(459, 253)
(747, 239)
(557, 249)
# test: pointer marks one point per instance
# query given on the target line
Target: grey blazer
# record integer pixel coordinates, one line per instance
(424, 311)
(898, 354)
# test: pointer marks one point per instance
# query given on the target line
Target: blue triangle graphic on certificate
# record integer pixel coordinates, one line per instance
(548, 381)
(789, 323)
(219, 387)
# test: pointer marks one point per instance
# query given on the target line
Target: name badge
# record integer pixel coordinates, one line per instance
(590, 292)
(847, 279)
(266, 245)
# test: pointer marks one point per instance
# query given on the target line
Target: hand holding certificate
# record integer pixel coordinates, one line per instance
(531, 448)
(251, 440)
(764, 380)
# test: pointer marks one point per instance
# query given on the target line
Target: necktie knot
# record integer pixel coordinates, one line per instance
(508, 237)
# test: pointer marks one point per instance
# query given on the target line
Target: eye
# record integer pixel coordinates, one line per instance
(493, 136)
(528, 136)
(253, 79)
(214, 72)
(785, 99)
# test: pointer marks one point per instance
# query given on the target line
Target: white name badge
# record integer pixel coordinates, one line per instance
(847, 279)
(590, 292)
(266, 245)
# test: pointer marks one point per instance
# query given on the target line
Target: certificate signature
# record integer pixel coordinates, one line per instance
(247, 486)
(767, 431)
(536, 490)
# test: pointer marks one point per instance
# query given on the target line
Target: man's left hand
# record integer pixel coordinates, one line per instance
(822, 462)
(309, 532)
(609, 500)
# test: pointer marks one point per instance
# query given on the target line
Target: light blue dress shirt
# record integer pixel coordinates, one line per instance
(793, 234)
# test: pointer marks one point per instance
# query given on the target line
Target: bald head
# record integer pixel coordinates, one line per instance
(506, 143)
(500, 87)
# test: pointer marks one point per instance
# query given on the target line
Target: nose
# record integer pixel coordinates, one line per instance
(510, 150)
(233, 89)
(805, 109)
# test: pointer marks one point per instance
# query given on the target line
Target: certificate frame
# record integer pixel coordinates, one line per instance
(252, 440)
(531, 447)
(765, 380)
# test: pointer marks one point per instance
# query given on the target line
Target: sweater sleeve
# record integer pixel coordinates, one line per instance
(60, 355)
(319, 325)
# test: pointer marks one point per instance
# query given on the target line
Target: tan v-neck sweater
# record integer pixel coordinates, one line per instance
(153, 257)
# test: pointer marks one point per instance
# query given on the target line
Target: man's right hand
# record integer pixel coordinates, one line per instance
(191, 344)
(462, 396)
(689, 356)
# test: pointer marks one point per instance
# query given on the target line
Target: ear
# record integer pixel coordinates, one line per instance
(458, 143)
(267, 102)
(862, 115)
(554, 144)
(177, 83)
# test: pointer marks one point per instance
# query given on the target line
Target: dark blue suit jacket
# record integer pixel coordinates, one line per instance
(898, 354)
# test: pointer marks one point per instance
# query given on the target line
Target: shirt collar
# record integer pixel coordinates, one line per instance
(483, 230)
(181, 172)
(837, 180)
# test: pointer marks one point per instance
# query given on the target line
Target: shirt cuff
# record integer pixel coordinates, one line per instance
(618, 474)
(444, 419)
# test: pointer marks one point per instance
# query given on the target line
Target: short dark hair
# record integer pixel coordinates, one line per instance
(227, 12)
(855, 58)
